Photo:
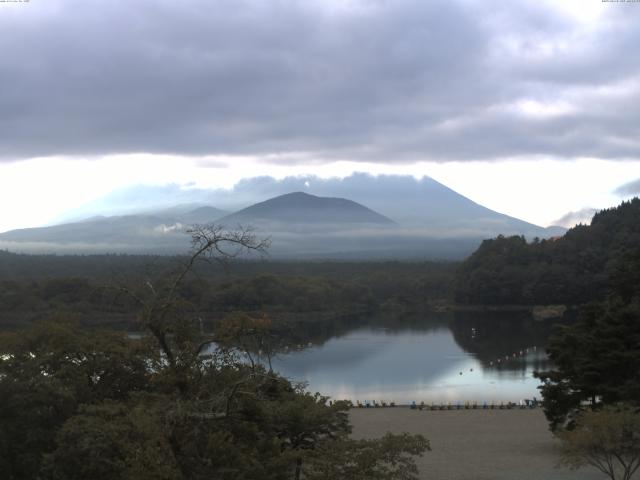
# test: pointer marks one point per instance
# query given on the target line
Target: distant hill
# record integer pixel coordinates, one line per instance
(422, 203)
(205, 214)
(158, 232)
(579, 267)
(430, 221)
(303, 208)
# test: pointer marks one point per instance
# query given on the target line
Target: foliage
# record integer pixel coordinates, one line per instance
(66, 414)
(607, 439)
(597, 360)
(251, 335)
(111, 440)
(387, 458)
(577, 268)
(297, 294)
(291, 290)
(48, 371)
(78, 403)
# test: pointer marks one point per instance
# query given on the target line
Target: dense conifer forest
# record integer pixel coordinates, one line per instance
(32, 287)
(577, 268)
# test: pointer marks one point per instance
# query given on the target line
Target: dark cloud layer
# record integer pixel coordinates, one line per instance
(629, 189)
(364, 80)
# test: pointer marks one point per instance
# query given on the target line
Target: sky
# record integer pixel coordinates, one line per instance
(530, 108)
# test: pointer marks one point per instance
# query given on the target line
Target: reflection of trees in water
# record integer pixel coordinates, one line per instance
(489, 337)
(297, 334)
(506, 342)
(520, 367)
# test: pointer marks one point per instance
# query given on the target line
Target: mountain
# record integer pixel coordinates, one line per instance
(162, 231)
(204, 214)
(411, 202)
(358, 217)
(303, 208)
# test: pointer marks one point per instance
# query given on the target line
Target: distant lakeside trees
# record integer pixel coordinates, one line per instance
(283, 289)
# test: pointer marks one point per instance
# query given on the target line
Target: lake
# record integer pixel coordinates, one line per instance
(467, 358)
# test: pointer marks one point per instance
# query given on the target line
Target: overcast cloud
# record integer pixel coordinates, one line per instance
(362, 80)
(571, 219)
(629, 189)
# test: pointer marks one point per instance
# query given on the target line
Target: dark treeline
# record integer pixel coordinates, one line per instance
(14, 266)
(577, 268)
(32, 287)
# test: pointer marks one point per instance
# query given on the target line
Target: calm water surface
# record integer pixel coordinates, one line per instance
(472, 360)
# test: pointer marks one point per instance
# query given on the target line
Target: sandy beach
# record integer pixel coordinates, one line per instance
(475, 444)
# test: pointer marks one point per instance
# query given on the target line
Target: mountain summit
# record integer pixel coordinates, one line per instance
(429, 221)
(303, 208)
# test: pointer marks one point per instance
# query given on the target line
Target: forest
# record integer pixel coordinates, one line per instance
(575, 269)
(31, 287)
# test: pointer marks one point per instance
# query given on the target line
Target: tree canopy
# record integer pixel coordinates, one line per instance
(577, 268)
(596, 361)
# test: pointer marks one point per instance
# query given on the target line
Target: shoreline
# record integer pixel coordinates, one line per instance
(537, 312)
(442, 406)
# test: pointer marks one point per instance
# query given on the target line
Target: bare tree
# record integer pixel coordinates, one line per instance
(158, 298)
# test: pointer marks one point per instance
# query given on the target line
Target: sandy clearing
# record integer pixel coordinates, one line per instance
(475, 444)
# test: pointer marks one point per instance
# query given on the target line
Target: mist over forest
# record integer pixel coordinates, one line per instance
(426, 221)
